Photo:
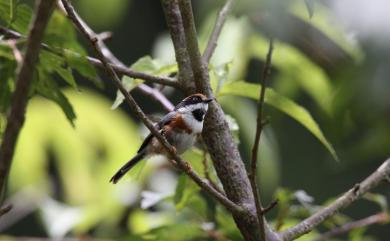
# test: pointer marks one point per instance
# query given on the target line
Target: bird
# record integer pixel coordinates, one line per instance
(180, 127)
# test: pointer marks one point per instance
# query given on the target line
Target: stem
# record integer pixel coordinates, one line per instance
(213, 40)
(255, 149)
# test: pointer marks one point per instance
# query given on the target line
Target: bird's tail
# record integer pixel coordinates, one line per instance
(125, 168)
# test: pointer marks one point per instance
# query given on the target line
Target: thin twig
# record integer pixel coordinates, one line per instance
(269, 207)
(119, 69)
(15, 118)
(259, 128)
(376, 218)
(342, 202)
(219, 23)
(184, 166)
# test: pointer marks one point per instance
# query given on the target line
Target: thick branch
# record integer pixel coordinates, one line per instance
(376, 218)
(15, 118)
(119, 69)
(216, 134)
(175, 24)
(344, 201)
(255, 149)
(137, 110)
(213, 40)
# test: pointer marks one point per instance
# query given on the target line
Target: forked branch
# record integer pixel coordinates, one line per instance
(184, 166)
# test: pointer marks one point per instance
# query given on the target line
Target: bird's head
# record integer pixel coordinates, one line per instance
(196, 104)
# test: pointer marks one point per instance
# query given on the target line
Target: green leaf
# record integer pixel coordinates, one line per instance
(6, 52)
(7, 82)
(18, 16)
(184, 191)
(293, 65)
(81, 64)
(66, 74)
(145, 64)
(52, 63)
(48, 88)
(281, 103)
(310, 7)
(179, 193)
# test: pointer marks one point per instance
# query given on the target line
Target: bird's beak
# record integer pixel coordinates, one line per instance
(208, 100)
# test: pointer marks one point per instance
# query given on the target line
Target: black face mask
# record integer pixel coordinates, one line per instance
(198, 114)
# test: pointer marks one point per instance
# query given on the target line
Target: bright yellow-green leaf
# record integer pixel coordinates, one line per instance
(294, 66)
(281, 103)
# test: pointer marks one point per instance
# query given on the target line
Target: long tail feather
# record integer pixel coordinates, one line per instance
(125, 168)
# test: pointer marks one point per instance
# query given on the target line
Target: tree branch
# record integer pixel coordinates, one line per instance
(113, 60)
(218, 138)
(184, 166)
(376, 218)
(213, 40)
(343, 201)
(15, 118)
(119, 69)
(255, 149)
(175, 24)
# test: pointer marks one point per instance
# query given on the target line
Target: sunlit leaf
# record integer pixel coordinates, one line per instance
(281, 103)
(145, 64)
(293, 65)
(310, 7)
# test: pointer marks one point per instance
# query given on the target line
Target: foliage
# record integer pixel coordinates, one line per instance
(64, 160)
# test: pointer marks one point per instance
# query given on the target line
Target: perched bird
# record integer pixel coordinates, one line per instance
(180, 127)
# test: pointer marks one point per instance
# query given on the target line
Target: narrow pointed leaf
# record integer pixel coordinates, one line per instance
(281, 103)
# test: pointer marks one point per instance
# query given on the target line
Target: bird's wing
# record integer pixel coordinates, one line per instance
(164, 121)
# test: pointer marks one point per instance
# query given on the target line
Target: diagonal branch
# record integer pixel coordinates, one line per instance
(343, 201)
(119, 69)
(184, 166)
(213, 40)
(255, 149)
(376, 218)
(155, 94)
(15, 118)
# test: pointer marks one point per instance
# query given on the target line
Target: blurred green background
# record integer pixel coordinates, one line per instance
(334, 64)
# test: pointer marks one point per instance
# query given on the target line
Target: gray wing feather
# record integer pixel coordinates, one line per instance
(164, 121)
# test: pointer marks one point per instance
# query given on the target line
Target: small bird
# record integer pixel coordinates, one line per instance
(180, 127)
